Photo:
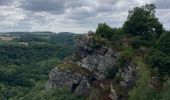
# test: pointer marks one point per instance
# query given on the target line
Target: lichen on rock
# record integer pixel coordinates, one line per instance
(86, 69)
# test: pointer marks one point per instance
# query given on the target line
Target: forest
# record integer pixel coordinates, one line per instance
(26, 61)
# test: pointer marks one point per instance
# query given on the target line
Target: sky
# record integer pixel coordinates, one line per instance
(78, 16)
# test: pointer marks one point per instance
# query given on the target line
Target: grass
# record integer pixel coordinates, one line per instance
(142, 90)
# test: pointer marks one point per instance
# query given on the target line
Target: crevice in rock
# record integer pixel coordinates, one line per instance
(75, 85)
(91, 79)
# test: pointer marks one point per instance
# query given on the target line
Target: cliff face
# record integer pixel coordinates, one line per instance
(87, 72)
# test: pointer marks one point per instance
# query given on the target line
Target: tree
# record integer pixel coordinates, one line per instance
(104, 30)
(142, 20)
(164, 43)
(159, 57)
(159, 60)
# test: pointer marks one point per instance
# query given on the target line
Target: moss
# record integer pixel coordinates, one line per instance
(74, 68)
(124, 58)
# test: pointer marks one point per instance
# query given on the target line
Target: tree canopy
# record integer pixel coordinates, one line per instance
(104, 30)
(164, 43)
(142, 20)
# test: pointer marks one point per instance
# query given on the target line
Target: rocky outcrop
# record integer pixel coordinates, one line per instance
(85, 72)
(98, 63)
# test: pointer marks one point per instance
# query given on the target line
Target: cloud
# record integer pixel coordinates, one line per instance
(55, 6)
(162, 4)
(10, 15)
(71, 15)
(4, 2)
(164, 17)
(15, 3)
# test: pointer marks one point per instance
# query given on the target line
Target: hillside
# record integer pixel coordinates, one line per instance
(127, 63)
(26, 60)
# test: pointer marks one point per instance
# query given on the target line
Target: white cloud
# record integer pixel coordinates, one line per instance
(71, 15)
(9, 15)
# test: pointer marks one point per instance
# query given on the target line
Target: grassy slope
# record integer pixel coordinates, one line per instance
(142, 90)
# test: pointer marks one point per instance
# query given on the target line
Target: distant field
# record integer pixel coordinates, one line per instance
(6, 38)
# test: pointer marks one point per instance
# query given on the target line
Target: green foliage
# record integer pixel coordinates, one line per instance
(144, 40)
(124, 58)
(118, 34)
(38, 93)
(17, 79)
(39, 51)
(142, 89)
(22, 67)
(159, 57)
(164, 43)
(142, 20)
(30, 37)
(105, 31)
(62, 38)
(159, 60)
(166, 91)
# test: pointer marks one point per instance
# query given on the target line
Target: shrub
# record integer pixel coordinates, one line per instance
(124, 58)
(142, 89)
(105, 31)
(164, 43)
(147, 40)
(159, 60)
(166, 91)
(118, 34)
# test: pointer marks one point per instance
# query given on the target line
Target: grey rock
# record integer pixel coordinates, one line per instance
(95, 59)
(64, 78)
(128, 77)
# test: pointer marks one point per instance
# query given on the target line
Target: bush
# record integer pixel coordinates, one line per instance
(147, 40)
(159, 57)
(118, 34)
(105, 31)
(124, 58)
(166, 91)
(159, 60)
(164, 43)
(142, 89)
